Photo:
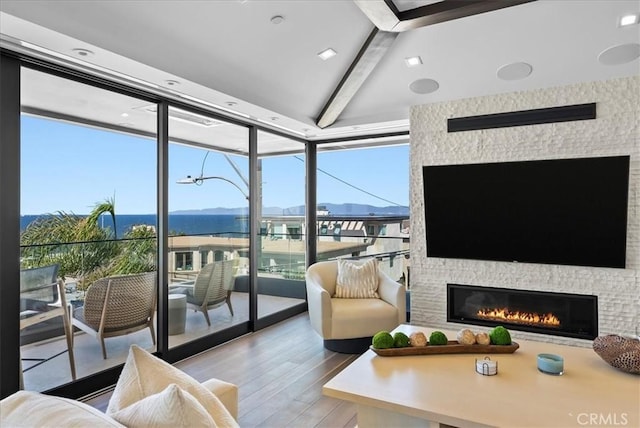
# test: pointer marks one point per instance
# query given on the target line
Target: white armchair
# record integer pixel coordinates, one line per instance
(347, 325)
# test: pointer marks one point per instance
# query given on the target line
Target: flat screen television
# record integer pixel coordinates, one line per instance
(564, 211)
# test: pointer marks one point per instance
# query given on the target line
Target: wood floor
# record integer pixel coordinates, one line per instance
(279, 372)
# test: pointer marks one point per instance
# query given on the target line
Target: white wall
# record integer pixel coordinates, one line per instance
(615, 131)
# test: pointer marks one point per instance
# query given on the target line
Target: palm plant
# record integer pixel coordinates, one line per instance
(77, 243)
(85, 250)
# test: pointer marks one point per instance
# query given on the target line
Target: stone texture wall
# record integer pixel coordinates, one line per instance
(615, 131)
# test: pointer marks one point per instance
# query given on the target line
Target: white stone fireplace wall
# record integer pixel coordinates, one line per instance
(615, 131)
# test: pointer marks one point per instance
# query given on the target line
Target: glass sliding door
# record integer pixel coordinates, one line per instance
(281, 264)
(364, 214)
(88, 216)
(208, 240)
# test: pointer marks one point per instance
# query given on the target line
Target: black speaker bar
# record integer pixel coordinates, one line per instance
(524, 117)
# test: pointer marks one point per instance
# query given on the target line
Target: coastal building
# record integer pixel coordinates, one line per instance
(282, 249)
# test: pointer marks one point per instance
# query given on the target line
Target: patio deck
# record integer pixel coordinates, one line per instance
(88, 355)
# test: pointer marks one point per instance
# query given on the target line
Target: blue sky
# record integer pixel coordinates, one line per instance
(71, 168)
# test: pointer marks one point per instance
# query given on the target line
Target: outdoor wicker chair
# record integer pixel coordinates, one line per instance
(118, 305)
(42, 299)
(212, 287)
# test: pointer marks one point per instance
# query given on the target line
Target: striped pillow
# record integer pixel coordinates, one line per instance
(357, 280)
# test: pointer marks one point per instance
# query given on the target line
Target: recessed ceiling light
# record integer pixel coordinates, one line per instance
(630, 19)
(171, 82)
(277, 19)
(424, 86)
(82, 52)
(124, 115)
(620, 54)
(413, 61)
(514, 71)
(327, 53)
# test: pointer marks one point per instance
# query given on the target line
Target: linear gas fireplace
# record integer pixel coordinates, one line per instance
(559, 314)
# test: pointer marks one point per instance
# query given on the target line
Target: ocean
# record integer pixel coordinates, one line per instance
(189, 224)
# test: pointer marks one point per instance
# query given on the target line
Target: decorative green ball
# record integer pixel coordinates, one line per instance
(382, 340)
(500, 336)
(400, 340)
(438, 338)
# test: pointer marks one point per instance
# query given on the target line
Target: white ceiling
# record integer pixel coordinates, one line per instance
(230, 51)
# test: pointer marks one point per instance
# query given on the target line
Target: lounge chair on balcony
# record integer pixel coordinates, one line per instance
(42, 299)
(212, 287)
(118, 305)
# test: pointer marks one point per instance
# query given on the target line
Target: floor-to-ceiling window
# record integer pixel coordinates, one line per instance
(88, 214)
(91, 161)
(208, 244)
(364, 211)
(281, 261)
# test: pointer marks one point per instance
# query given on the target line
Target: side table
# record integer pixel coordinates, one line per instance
(177, 313)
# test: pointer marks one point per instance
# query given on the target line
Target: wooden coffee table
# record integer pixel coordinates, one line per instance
(430, 390)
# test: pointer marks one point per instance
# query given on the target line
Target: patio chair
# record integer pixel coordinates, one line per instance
(212, 287)
(118, 305)
(42, 298)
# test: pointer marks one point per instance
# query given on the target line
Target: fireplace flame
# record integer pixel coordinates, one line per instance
(517, 317)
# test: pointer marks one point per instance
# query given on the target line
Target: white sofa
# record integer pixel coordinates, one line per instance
(347, 324)
(149, 393)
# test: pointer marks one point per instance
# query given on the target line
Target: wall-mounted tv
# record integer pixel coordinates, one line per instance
(564, 211)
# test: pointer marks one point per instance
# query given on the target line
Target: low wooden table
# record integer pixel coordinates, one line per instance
(429, 390)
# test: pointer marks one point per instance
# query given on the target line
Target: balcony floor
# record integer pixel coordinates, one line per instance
(88, 354)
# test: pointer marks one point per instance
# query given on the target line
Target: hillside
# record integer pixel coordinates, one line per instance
(334, 209)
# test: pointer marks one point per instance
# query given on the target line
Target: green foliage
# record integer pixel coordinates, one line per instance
(137, 252)
(382, 340)
(78, 244)
(400, 340)
(500, 336)
(85, 250)
(438, 338)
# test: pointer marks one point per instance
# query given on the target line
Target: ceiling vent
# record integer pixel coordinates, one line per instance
(185, 116)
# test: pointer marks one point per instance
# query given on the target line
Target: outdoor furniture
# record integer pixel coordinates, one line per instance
(42, 298)
(177, 313)
(348, 324)
(212, 287)
(118, 305)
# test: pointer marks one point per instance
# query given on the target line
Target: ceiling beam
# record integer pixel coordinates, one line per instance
(386, 16)
(389, 22)
(370, 54)
(448, 10)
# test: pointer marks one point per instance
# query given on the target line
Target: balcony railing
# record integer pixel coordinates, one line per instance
(281, 270)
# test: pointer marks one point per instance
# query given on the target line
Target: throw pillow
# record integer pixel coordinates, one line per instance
(33, 409)
(357, 279)
(170, 408)
(144, 375)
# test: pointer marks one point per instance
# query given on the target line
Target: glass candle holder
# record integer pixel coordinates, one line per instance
(551, 364)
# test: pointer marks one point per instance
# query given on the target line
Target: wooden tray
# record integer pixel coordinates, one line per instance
(453, 347)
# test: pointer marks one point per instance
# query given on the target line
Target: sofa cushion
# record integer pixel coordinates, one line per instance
(33, 409)
(352, 318)
(357, 279)
(226, 392)
(173, 407)
(144, 375)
